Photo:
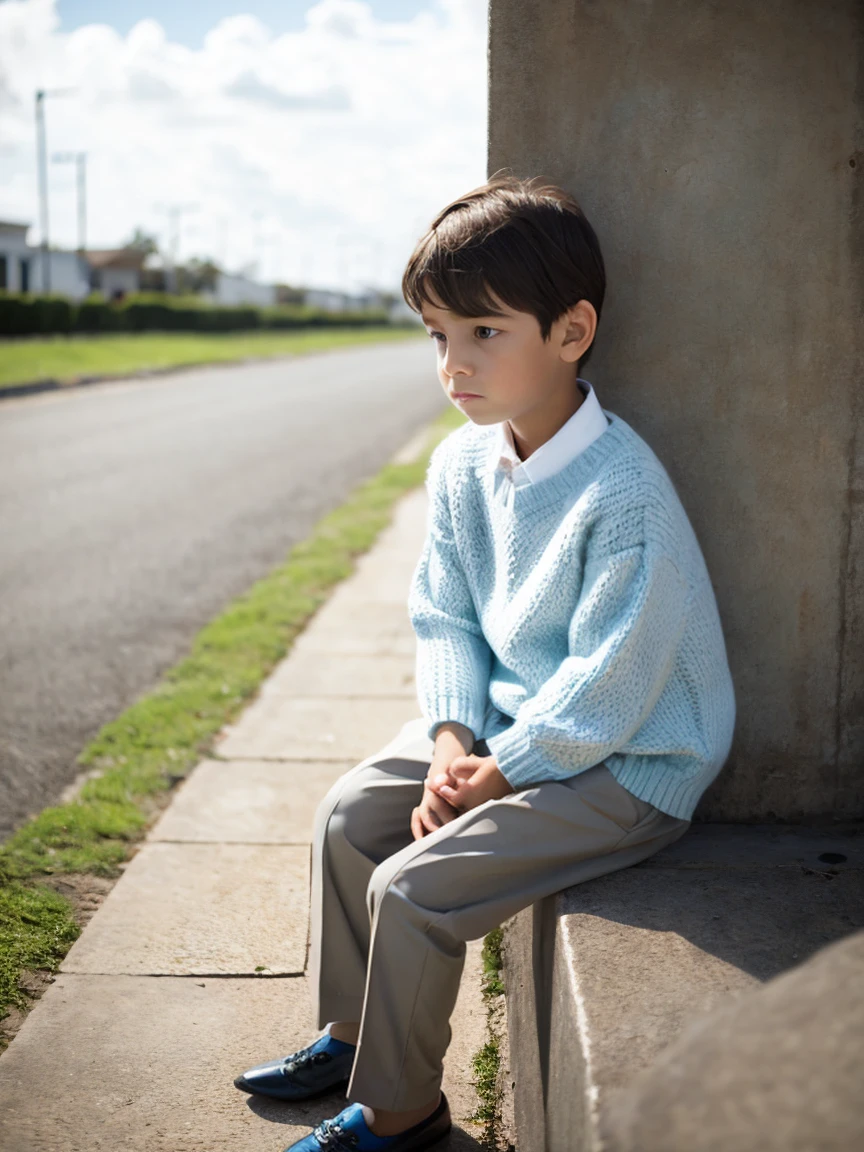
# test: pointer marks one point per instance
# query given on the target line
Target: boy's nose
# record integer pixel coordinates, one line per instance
(456, 364)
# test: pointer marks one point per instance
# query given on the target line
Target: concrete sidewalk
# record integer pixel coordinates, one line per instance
(194, 967)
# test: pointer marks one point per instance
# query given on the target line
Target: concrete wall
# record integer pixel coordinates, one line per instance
(717, 149)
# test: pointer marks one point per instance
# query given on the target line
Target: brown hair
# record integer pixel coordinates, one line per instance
(525, 242)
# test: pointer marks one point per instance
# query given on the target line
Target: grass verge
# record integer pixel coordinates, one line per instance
(151, 746)
(70, 358)
(486, 1064)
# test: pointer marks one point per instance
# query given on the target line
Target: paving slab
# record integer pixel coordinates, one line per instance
(378, 582)
(249, 801)
(147, 1065)
(143, 1065)
(407, 529)
(188, 909)
(317, 674)
(370, 629)
(315, 728)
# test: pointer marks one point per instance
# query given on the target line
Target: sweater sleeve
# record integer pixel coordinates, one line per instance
(453, 657)
(622, 643)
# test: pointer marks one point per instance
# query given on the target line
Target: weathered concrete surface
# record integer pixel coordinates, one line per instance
(717, 149)
(779, 1070)
(321, 675)
(248, 802)
(603, 977)
(315, 728)
(146, 1065)
(376, 630)
(214, 909)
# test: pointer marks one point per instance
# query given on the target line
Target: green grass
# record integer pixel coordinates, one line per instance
(486, 1064)
(68, 358)
(159, 739)
(493, 985)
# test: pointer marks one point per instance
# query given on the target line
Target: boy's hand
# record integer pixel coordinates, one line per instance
(470, 781)
(433, 811)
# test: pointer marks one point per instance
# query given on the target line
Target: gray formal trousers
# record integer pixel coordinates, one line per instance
(391, 915)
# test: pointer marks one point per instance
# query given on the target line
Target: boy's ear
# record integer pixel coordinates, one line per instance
(579, 324)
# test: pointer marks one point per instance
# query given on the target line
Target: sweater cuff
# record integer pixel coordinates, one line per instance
(455, 709)
(519, 761)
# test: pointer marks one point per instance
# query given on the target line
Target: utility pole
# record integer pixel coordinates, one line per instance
(42, 168)
(175, 213)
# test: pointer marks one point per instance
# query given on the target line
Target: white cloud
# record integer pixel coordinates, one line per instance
(325, 152)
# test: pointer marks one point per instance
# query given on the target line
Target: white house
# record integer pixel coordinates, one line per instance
(235, 289)
(21, 266)
(115, 271)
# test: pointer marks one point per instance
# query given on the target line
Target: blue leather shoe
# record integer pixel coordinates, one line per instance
(319, 1068)
(349, 1132)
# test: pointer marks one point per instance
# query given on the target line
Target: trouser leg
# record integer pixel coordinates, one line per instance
(458, 883)
(363, 819)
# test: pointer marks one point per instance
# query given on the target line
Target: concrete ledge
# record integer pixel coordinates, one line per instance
(602, 977)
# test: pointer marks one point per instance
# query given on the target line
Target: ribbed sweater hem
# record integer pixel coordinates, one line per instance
(646, 777)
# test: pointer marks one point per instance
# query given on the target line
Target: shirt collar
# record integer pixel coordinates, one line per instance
(581, 430)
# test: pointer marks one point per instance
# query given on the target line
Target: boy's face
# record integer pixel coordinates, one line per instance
(496, 368)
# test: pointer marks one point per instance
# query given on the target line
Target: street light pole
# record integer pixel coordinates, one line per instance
(42, 162)
(42, 166)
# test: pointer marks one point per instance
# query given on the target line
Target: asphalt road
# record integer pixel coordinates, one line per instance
(132, 513)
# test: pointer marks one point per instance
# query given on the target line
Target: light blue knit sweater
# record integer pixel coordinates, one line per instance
(572, 621)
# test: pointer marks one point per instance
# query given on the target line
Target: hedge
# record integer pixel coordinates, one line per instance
(54, 315)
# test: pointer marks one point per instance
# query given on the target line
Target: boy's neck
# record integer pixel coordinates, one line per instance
(532, 430)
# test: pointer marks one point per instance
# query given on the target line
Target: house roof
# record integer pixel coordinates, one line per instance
(13, 226)
(115, 258)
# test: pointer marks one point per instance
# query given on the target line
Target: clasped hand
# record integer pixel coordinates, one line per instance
(464, 783)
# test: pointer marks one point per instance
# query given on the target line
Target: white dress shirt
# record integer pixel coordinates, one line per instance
(582, 429)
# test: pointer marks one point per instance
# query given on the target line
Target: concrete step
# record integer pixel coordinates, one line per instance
(602, 977)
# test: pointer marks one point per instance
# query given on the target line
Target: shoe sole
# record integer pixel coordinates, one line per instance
(432, 1141)
(245, 1086)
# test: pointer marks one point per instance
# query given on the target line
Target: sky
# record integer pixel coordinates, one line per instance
(309, 143)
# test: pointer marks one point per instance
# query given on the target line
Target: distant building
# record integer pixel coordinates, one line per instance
(235, 289)
(399, 313)
(21, 265)
(16, 269)
(332, 301)
(115, 272)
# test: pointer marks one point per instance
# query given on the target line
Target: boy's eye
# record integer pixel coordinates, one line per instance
(482, 331)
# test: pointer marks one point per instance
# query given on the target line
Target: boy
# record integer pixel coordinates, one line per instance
(571, 671)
